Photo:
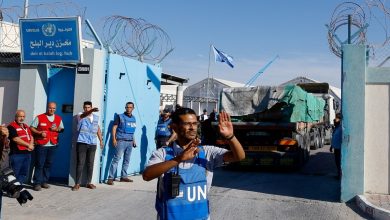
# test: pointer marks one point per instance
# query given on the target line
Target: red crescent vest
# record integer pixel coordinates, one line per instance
(44, 125)
(23, 133)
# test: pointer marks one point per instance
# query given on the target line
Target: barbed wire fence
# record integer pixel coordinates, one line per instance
(370, 20)
(136, 38)
(9, 18)
(130, 37)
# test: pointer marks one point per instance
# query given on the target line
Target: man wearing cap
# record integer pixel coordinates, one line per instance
(123, 141)
(164, 133)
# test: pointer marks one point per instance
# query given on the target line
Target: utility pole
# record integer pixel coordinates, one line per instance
(349, 28)
(25, 9)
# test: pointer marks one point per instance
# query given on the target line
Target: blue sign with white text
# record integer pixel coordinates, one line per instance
(50, 40)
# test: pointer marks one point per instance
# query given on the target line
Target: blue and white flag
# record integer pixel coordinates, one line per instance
(222, 57)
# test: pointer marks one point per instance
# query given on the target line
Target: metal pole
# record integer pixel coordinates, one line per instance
(349, 28)
(25, 9)
(208, 80)
(94, 33)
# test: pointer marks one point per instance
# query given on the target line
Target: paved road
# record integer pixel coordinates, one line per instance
(311, 193)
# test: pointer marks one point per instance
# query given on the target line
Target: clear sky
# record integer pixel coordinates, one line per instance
(253, 32)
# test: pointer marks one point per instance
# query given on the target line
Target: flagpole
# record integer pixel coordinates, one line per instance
(208, 79)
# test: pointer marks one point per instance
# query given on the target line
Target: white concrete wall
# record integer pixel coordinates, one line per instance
(9, 92)
(180, 95)
(172, 90)
(376, 156)
(32, 90)
(89, 87)
(169, 89)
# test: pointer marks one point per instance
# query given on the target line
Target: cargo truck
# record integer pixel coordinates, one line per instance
(321, 133)
(276, 125)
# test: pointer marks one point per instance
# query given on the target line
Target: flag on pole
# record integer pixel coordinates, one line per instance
(222, 57)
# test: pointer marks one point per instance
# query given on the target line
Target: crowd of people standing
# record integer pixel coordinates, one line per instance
(180, 148)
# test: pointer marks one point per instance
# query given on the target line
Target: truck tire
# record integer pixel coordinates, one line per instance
(299, 159)
(307, 148)
(322, 138)
(316, 139)
(328, 135)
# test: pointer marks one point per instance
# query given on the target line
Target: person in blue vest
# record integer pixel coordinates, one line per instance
(123, 141)
(164, 133)
(185, 169)
(88, 130)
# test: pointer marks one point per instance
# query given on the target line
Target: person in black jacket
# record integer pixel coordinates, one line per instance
(8, 182)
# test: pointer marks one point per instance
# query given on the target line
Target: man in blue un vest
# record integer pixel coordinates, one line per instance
(123, 141)
(164, 133)
(185, 169)
(88, 130)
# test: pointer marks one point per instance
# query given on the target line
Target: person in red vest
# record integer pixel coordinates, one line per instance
(45, 128)
(21, 145)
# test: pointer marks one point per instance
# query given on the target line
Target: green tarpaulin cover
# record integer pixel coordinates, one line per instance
(293, 103)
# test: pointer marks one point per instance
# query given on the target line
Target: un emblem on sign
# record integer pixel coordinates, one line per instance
(49, 29)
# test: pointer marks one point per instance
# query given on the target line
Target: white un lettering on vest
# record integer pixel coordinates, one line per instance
(195, 193)
(131, 124)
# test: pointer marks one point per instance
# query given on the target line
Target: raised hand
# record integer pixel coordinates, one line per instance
(225, 125)
(191, 151)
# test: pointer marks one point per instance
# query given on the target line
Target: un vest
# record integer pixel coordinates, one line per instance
(192, 202)
(126, 127)
(163, 129)
(87, 130)
(23, 133)
(44, 125)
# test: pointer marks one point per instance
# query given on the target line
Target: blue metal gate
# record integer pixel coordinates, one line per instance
(61, 91)
(130, 80)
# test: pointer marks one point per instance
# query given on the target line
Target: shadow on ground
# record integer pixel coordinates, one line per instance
(316, 180)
